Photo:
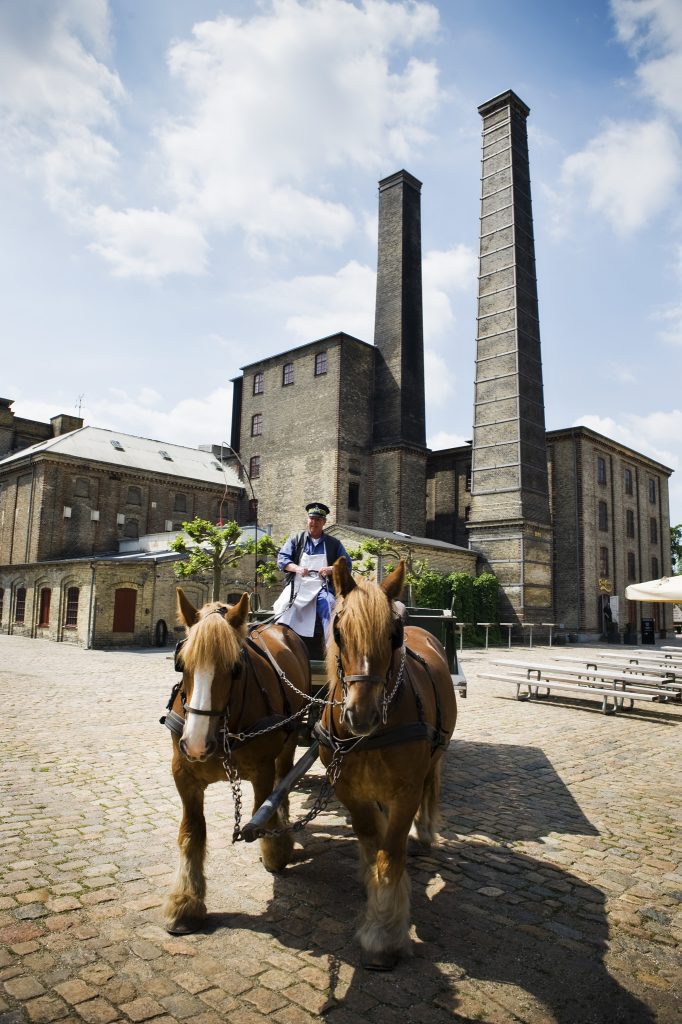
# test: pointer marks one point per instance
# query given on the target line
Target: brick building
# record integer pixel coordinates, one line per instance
(85, 521)
(551, 514)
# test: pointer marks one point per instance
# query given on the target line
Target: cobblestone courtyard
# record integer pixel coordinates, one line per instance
(554, 895)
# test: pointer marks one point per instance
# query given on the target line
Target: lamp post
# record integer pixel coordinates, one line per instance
(253, 508)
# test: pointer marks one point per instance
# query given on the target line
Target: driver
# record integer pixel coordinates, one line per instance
(307, 559)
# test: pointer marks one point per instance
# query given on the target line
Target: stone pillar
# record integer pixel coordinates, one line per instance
(399, 435)
(509, 522)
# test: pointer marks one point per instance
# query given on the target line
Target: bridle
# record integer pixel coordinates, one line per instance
(236, 673)
(397, 644)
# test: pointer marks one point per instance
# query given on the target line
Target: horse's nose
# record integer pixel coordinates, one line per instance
(360, 724)
(198, 754)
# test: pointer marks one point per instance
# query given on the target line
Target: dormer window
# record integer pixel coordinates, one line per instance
(164, 455)
(117, 445)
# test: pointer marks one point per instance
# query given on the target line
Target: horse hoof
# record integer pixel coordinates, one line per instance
(379, 961)
(186, 926)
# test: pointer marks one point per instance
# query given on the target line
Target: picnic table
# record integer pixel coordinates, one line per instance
(614, 686)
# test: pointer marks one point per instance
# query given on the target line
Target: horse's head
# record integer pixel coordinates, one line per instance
(211, 659)
(366, 634)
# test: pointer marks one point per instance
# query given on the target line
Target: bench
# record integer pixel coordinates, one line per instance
(533, 686)
(572, 668)
(667, 679)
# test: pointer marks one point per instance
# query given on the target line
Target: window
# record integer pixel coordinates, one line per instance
(467, 485)
(603, 516)
(20, 606)
(629, 522)
(180, 503)
(287, 374)
(125, 601)
(254, 467)
(604, 562)
(627, 480)
(134, 496)
(467, 513)
(320, 364)
(653, 531)
(117, 445)
(257, 424)
(164, 455)
(354, 496)
(632, 569)
(652, 491)
(601, 470)
(654, 568)
(81, 488)
(71, 615)
(258, 383)
(44, 617)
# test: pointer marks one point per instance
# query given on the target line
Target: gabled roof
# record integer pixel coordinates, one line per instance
(126, 451)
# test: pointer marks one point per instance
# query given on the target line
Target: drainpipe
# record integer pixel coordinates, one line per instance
(29, 525)
(91, 608)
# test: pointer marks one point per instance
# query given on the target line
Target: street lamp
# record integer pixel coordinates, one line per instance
(253, 508)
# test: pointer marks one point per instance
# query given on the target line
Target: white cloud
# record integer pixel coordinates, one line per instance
(443, 274)
(56, 96)
(629, 173)
(652, 29)
(148, 243)
(439, 380)
(327, 303)
(671, 318)
(278, 101)
(204, 419)
(443, 439)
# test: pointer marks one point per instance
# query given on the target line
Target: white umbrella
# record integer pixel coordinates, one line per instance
(669, 588)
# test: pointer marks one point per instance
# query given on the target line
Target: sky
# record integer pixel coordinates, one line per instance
(186, 187)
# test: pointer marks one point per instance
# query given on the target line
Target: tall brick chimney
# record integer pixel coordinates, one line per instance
(399, 454)
(509, 521)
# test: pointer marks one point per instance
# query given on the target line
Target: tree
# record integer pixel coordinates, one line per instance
(211, 549)
(676, 544)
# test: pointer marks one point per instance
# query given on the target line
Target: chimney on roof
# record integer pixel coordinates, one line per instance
(64, 424)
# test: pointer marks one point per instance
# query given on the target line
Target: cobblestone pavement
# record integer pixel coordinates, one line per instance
(553, 896)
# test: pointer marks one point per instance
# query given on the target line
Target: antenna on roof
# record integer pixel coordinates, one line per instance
(79, 404)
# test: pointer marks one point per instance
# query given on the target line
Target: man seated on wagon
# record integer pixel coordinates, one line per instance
(307, 601)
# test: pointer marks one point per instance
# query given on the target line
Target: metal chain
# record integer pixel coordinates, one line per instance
(320, 804)
(387, 700)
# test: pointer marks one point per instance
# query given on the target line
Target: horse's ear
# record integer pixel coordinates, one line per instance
(392, 585)
(239, 612)
(186, 610)
(343, 581)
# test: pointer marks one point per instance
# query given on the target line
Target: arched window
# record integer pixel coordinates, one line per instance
(254, 467)
(134, 496)
(81, 488)
(20, 605)
(71, 613)
(180, 503)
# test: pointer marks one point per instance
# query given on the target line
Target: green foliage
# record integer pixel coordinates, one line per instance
(476, 599)
(211, 549)
(676, 545)
(431, 589)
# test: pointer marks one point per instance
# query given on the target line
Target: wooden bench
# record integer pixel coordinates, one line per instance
(566, 685)
(578, 669)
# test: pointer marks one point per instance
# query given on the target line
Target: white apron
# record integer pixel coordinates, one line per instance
(300, 614)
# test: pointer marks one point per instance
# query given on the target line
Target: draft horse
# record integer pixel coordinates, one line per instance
(391, 715)
(233, 716)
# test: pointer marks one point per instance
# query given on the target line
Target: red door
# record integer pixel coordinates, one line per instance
(125, 601)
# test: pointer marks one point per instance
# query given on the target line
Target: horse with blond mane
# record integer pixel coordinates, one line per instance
(234, 715)
(391, 715)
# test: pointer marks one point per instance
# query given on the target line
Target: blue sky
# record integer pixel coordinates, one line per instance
(189, 186)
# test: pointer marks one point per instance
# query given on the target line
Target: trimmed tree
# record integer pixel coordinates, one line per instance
(212, 549)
